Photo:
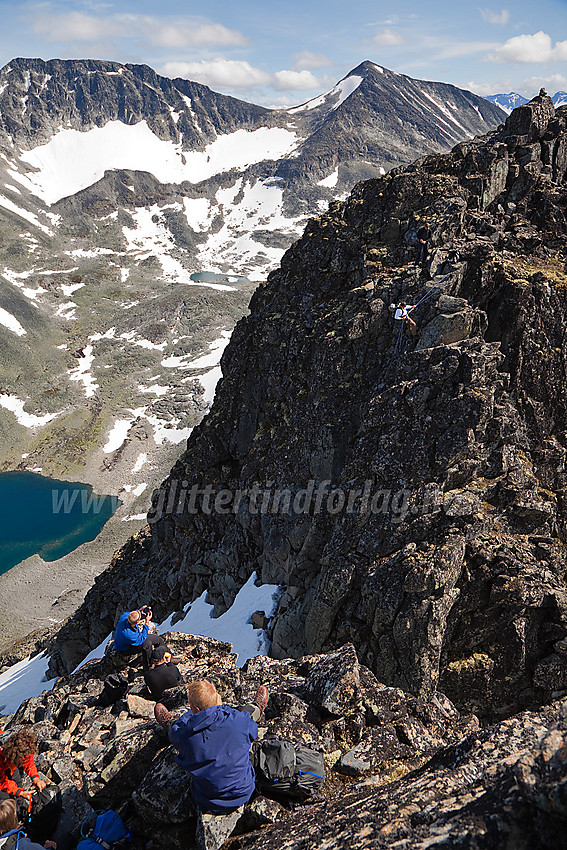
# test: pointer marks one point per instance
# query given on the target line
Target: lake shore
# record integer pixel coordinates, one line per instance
(37, 594)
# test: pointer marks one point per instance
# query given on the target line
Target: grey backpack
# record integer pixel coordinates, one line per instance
(285, 769)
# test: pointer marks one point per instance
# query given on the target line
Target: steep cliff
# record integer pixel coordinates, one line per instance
(408, 494)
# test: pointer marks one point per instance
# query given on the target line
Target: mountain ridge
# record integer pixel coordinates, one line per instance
(312, 390)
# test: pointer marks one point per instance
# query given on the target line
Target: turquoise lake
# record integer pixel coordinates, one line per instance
(43, 516)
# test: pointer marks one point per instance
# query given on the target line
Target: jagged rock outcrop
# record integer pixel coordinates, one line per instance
(119, 757)
(420, 510)
(503, 787)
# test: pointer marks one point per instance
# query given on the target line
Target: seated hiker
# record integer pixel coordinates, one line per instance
(213, 743)
(423, 238)
(11, 833)
(163, 673)
(17, 754)
(131, 634)
(402, 315)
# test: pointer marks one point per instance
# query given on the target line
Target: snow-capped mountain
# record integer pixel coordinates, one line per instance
(507, 102)
(510, 101)
(117, 188)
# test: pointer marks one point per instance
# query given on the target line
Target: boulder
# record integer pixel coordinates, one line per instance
(332, 683)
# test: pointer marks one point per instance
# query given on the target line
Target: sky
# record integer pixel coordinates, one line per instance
(282, 54)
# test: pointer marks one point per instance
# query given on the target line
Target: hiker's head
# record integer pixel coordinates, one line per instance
(160, 655)
(134, 617)
(19, 745)
(202, 694)
(8, 817)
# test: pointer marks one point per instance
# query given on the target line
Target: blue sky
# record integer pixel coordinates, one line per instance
(282, 54)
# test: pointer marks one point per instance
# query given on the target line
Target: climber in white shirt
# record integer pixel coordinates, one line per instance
(402, 314)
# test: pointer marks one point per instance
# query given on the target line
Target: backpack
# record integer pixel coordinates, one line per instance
(42, 817)
(109, 831)
(115, 686)
(12, 839)
(287, 769)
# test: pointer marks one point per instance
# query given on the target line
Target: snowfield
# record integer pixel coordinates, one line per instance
(72, 160)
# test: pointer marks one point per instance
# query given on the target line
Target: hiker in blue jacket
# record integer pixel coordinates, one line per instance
(131, 633)
(213, 743)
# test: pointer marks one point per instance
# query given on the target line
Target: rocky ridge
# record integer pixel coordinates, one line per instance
(455, 578)
(399, 768)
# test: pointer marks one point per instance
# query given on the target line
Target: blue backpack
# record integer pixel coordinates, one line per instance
(109, 831)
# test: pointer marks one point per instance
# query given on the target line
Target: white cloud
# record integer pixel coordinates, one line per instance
(160, 32)
(182, 34)
(452, 50)
(388, 37)
(74, 26)
(553, 83)
(485, 89)
(230, 73)
(306, 59)
(530, 48)
(233, 74)
(500, 18)
(294, 81)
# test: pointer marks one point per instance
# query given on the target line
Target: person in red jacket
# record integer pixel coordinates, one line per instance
(17, 754)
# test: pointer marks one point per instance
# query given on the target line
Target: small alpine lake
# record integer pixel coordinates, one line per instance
(44, 516)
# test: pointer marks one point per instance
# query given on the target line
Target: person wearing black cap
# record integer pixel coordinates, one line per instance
(163, 673)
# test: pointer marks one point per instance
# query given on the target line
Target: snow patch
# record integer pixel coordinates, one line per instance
(209, 383)
(82, 372)
(331, 181)
(141, 461)
(343, 89)
(28, 420)
(151, 346)
(11, 323)
(234, 625)
(117, 435)
(159, 391)
(197, 213)
(259, 209)
(217, 347)
(23, 680)
(25, 214)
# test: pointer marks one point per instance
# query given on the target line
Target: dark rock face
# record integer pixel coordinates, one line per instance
(44, 96)
(425, 480)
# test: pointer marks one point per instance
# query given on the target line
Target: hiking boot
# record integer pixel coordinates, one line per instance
(262, 697)
(162, 715)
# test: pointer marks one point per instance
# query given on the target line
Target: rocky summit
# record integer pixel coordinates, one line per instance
(400, 770)
(407, 494)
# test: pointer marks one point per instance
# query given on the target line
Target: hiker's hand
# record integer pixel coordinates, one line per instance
(27, 795)
(39, 783)
(51, 844)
